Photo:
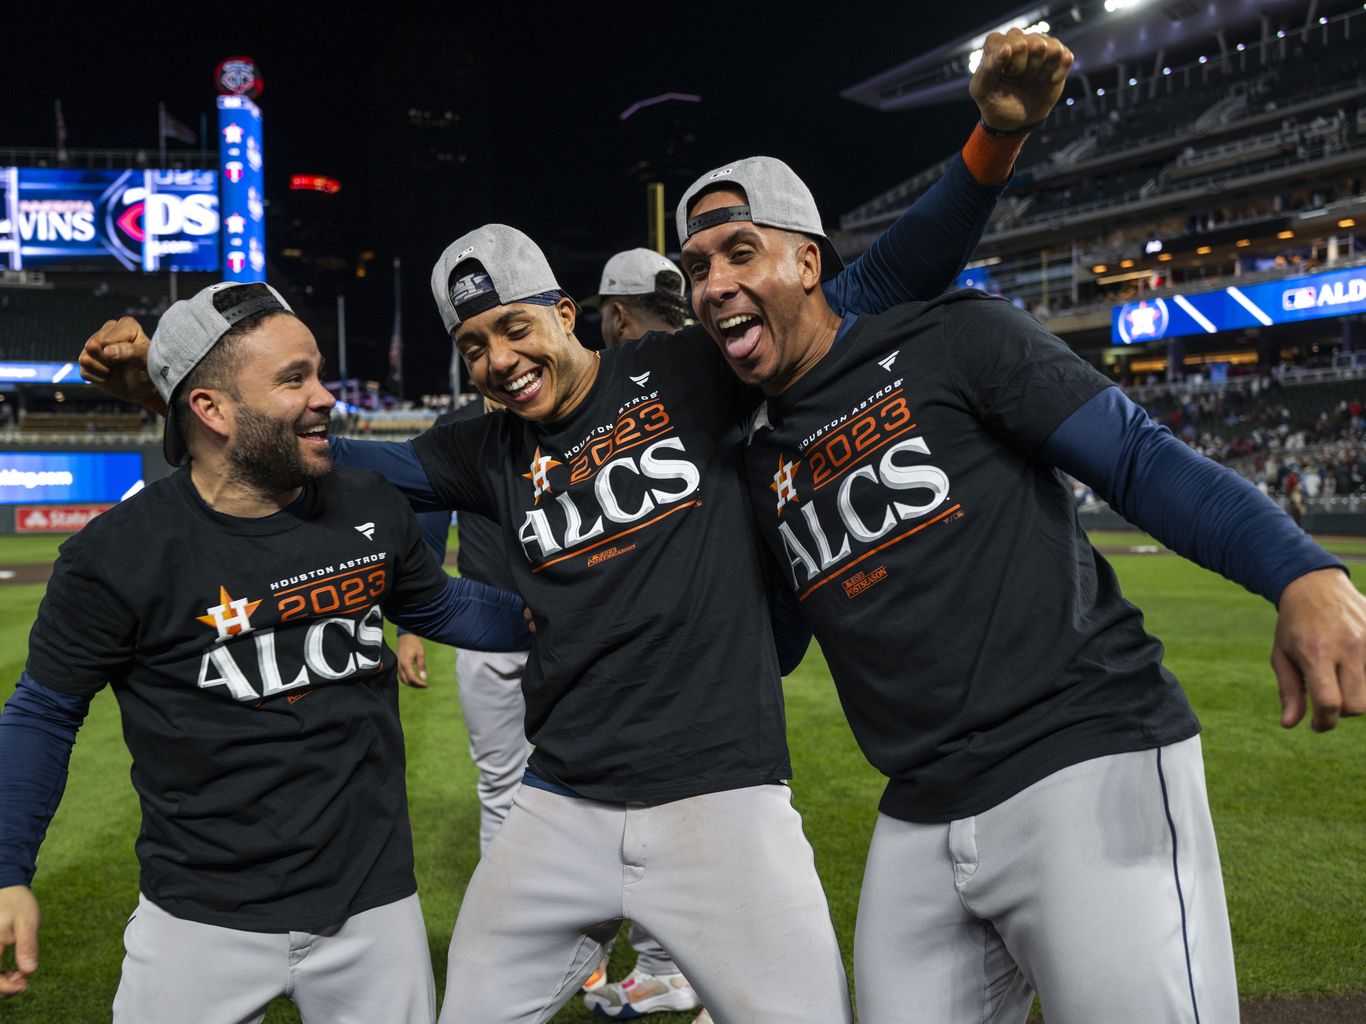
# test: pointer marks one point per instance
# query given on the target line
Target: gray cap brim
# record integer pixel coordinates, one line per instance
(513, 262)
(776, 197)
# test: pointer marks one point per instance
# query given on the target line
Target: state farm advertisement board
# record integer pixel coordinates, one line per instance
(55, 518)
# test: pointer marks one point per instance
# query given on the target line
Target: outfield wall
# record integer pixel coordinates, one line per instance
(56, 488)
(1344, 516)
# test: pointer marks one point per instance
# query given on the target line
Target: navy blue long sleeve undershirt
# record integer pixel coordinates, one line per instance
(471, 615)
(1199, 509)
(37, 732)
(921, 253)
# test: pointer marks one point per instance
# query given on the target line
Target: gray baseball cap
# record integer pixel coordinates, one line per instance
(633, 272)
(184, 336)
(776, 198)
(516, 269)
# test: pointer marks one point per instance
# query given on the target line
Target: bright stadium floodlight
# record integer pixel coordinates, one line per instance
(1120, 5)
(1070, 101)
(1166, 71)
(1133, 81)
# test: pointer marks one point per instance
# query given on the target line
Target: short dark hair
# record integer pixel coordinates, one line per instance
(216, 369)
(665, 302)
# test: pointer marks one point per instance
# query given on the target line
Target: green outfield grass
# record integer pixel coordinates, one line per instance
(1290, 806)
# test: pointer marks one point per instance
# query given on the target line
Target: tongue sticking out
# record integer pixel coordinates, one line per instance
(743, 340)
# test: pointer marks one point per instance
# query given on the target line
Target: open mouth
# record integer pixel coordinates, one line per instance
(523, 389)
(315, 436)
(740, 334)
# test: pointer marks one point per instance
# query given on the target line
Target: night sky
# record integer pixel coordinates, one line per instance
(549, 82)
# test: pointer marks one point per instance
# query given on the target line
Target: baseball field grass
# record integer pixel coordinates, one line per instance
(1289, 806)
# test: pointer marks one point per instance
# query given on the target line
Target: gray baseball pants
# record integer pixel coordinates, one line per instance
(495, 718)
(726, 881)
(373, 968)
(1097, 887)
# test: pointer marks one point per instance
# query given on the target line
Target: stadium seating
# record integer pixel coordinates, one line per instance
(49, 324)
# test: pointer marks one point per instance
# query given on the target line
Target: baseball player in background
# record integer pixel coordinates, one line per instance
(489, 682)
(1045, 827)
(242, 634)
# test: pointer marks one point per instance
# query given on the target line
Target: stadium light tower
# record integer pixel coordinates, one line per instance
(241, 189)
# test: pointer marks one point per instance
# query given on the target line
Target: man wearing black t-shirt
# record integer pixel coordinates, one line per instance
(1045, 827)
(236, 608)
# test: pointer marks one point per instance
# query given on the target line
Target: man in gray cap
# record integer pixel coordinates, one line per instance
(1045, 827)
(640, 291)
(275, 851)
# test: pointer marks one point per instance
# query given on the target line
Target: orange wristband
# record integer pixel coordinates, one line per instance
(990, 158)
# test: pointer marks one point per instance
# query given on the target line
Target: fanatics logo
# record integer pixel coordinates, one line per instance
(230, 618)
(642, 380)
(541, 465)
(785, 483)
(886, 364)
(368, 529)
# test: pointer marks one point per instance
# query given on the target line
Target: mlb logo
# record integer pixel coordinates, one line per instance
(1298, 298)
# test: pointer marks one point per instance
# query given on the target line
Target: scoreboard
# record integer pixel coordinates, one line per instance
(108, 220)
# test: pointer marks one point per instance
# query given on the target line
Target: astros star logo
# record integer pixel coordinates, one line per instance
(1143, 320)
(541, 465)
(234, 624)
(785, 482)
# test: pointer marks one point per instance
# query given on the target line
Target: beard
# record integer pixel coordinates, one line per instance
(265, 454)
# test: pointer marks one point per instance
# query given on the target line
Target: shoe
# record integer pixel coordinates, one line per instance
(703, 1018)
(598, 978)
(639, 993)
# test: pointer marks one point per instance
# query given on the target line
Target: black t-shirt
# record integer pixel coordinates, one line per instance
(258, 697)
(482, 555)
(977, 640)
(653, 675)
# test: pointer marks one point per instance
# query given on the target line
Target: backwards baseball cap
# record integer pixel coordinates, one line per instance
(186, 333)
(633, 272)
(514, 270)
(775, 198)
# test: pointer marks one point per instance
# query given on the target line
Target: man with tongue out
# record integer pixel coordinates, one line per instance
(1045, 827)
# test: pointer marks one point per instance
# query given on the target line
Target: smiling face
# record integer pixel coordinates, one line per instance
(525, 357)
(276, 420)
(753, 289)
